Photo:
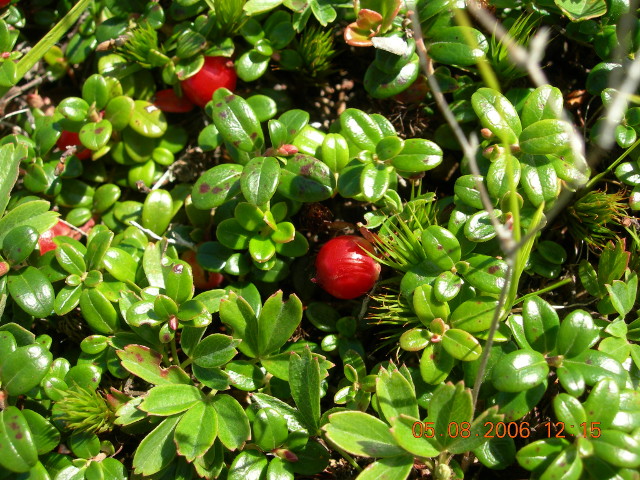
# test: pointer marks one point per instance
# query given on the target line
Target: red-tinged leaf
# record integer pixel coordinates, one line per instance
(145, 363)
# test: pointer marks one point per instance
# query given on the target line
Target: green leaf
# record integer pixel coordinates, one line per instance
(497, 453)
(567, 465)
(541, 324)
(269, 429)
(167, 400)
(617, 448)
(18, 451)
(280, 469)
(97, 247)
(157, 211)
(9, 163)
(157, 449)
(95, 135)
(570, 412)
(120, 264)
(34, 212)
(214, 351)
(396, 395)
(236, 121)
(304, 380)
(461, 345)
(441, 246)
(545, 137)
(45, 436)
(233, 424)
(374, 181)
(360, 129)
(474, 315)
(98, 311)
(252, 65)
(545, 102)
(595, 366)
(427, 306)
(623, 295)
(24, 368)
(413, 438)
(306, 179)
(463, 46)
(539, 179)
(577, 333)
(497, 114)
(178, 281)
(498, 177)
(537, 455)
(581, 10)
(260, 179)
(217, 185)
(435, 364)
(384, 84)
(294, 418)
(249, 464)
(361, 434)
(277, 322)
(196, 431)
(145, 363)
(147, 119)
(390, 468)
(238, 314)
(32, 291)
(520, 370)
(487, 274)
(71, 259)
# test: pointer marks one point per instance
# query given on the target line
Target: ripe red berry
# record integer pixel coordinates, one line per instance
(344, 269)
(215, 73)
(68, 139)
(45, 241)
(167, 101)
(202, 279)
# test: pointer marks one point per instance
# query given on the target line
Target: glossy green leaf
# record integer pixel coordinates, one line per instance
(120, 264)
(487, 274)
(157, 211)
(167, 400)
(396, 395)
(18, 451)
(249, 464)
(503, 169)
(361, 434)
(145, 363)
(577, 333)
(67, 299)
(9, 164)
(474, 315)
(147, 119)
(391, 468)
(118, 111)
(214, 351)
(520, 370)
(19, 243)
(594, 366)
(98, 311)
(541, 324)
(34, 212)
(335, 152)
(233, 424)
(384, 84)
(374, 181)
(581, 10)
(216, 186)
(479, 227)
(45, 436)
(178, 281)
(157, 449)
(304, 380)
(260, 179)
(623, 294)
(269, 429)
(617, 448)
(360, 129)
(497, 114)
(441, 246)
(461, 345)
(446, 286)
(32, 291)
(570, 412)
(567, 465)
(427, 306)
(277, 322)
(539, 179)
(236, 121)
(71, 259)
(463, 46)
(306, 179)
(24, 368)
(435, 364)
(539, 454)
(466, 189)
(261, 249)
(95, 135)
(196, 431)
(545, 102)
(544, 137)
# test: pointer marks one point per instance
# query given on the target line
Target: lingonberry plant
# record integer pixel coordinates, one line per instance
(263, 239)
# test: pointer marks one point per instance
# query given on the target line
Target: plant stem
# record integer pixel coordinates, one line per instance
(590, 184)
(27, 62)
(186, 363)
(174, 352)
(558, 284)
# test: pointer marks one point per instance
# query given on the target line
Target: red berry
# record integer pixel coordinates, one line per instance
(68, 139)
(168, 101)
(344, 269)
(4, 3)
(45, 241)
(216, 72)
(202, 280)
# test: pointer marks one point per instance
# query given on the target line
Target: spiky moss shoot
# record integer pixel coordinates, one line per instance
(84, 409)
(315, 48)
(391, 310)
(591, 217)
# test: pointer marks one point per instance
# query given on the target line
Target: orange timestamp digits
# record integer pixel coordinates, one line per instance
(499, 430)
